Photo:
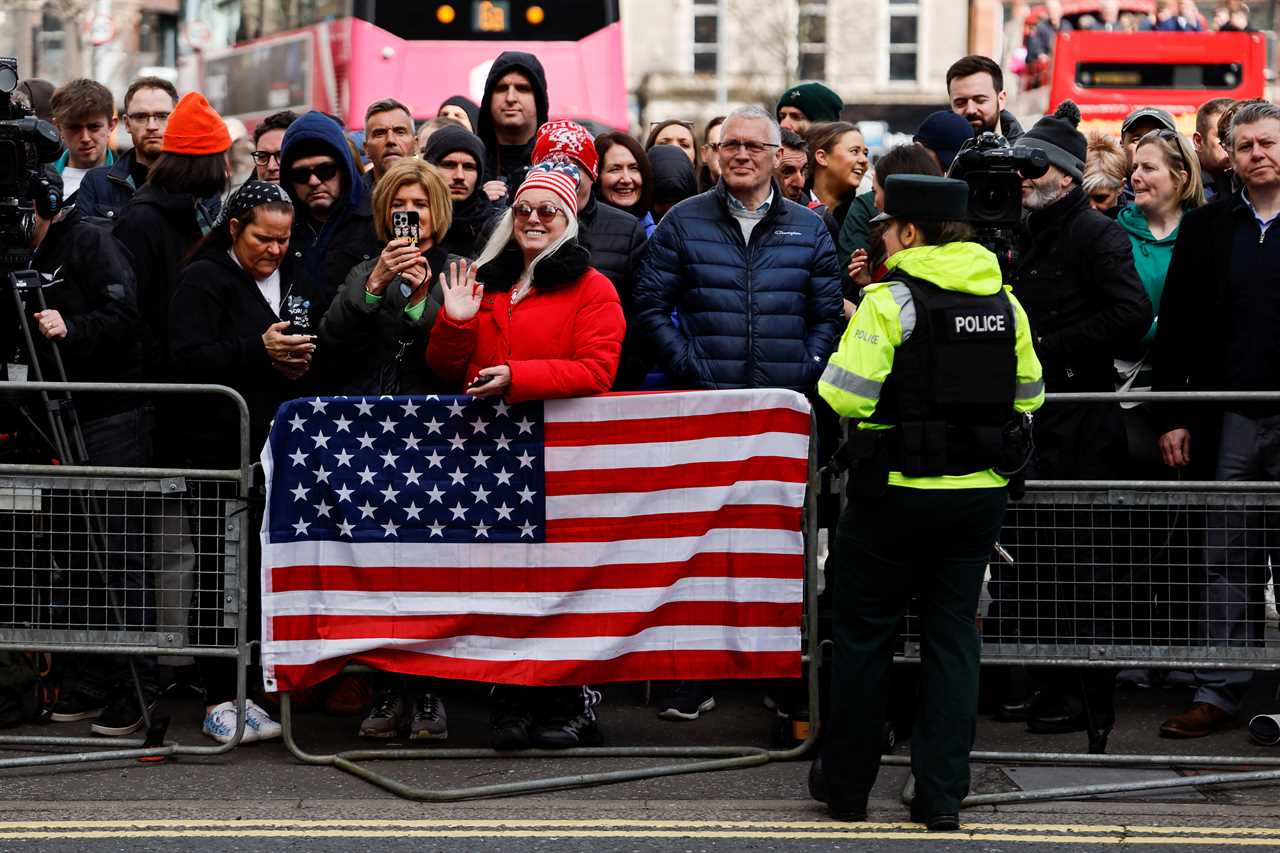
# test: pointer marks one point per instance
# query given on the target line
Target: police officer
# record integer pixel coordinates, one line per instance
(937, 368)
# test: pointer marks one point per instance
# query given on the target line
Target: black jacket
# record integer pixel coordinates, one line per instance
(219, 316)
(1076, 279)
(1082, 294)
(1192, 346)
(105, 191)
(757, 315)
(507, 163)
(616, 243)
(159, 229)
(1010, 127)
(97, 296)
(373, 346)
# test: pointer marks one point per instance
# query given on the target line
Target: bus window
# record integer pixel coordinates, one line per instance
(1150, 75)
(483, 20)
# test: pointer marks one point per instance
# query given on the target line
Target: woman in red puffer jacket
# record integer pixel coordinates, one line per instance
(531, 319)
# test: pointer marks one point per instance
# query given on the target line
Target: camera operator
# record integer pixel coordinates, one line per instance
(1077, 280)
(92, 318)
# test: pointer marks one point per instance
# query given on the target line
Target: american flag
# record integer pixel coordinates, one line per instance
(615, 538)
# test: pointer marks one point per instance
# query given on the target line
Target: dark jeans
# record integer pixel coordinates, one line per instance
(1237, 546)
(118, 440)
(933, 544)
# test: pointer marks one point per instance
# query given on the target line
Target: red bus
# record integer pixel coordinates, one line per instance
(1111, 74)
(421, 53)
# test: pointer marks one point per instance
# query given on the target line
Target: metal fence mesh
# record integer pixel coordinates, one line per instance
(120, 561)
(1138, 575)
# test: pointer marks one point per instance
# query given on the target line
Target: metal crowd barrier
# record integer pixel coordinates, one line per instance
(705, 758)
(71, 535)
(1117, 575)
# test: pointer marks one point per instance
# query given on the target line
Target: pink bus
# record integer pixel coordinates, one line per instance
(421, 53)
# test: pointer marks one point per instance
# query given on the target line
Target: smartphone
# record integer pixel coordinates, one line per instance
(405, 223)
(478, 381)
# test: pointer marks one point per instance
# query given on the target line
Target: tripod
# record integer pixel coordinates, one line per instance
(66, 438)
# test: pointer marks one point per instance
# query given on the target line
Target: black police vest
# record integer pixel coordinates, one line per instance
(953, 383)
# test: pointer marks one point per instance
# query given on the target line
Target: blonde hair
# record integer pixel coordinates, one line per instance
(410, 171)
(1179, 157)
(1105, 165)
(506, 230)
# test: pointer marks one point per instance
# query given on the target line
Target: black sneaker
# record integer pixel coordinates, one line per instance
(573, 724)
(509, 725)
(122, 716)
(77, 703)
(687, 701)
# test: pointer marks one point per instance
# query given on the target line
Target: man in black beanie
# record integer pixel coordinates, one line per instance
(1076, 278)
(459, 156)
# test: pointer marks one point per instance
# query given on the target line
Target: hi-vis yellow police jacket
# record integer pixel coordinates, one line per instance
(886, 318)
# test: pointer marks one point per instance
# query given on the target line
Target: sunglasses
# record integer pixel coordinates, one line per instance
(654, 125)
(262, 158)
(302, 174)
(1169, 136)
(545, 212)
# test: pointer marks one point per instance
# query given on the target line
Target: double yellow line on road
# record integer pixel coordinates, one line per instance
(605, 829)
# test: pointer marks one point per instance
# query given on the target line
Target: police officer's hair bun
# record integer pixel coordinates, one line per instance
(1068, 112)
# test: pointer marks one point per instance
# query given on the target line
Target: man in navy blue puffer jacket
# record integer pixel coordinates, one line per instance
(740, 287)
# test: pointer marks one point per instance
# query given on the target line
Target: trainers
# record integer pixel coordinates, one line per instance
(509, 725)
(78, 704)
(386, 717)
(429, 720)
(687, 701)
(220, 724)
(259, 722)
(122, 716)
(351, 695)
(570, 725)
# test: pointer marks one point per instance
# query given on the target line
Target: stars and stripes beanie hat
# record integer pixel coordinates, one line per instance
(557, 175)
(195, 128)
(570, 139)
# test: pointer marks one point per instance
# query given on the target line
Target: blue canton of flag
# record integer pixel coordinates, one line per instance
(401, 469)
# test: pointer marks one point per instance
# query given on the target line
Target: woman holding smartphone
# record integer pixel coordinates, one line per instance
(373, 335)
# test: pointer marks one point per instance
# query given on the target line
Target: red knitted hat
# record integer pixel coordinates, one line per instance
(570, 139)
(195, 128)
(560, 178)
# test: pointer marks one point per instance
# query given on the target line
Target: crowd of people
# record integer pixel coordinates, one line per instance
(550, 263)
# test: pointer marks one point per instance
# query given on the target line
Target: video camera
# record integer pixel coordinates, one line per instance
(994, 171)
(26, 143)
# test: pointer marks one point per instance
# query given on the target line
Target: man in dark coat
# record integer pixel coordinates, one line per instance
(105, 191)
(333, 222)
(459, 155)
(514, 106)
(753, 276)
(613, 238)
(1218, 318)
(1077, 280)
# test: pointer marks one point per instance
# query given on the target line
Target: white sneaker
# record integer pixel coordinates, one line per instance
(260, 723)
(220, 724)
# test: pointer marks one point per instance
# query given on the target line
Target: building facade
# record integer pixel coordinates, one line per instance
(887, 58)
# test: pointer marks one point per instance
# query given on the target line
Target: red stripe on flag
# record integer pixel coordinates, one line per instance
(672, 524)
(694, 475)
(409, 627)
(684, 428)
(462, 579)
(636, 666)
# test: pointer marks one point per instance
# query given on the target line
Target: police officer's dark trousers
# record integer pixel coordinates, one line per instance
(934, 543)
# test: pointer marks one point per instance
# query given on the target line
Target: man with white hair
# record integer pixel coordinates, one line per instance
(753, 283)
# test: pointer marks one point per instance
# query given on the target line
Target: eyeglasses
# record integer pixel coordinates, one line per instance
(302, 174)
(147, 118)
(262, 158)
(545, 212)
(755, 149)
(1170, 136)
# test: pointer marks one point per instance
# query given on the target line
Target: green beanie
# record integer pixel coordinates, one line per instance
(816, 101)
